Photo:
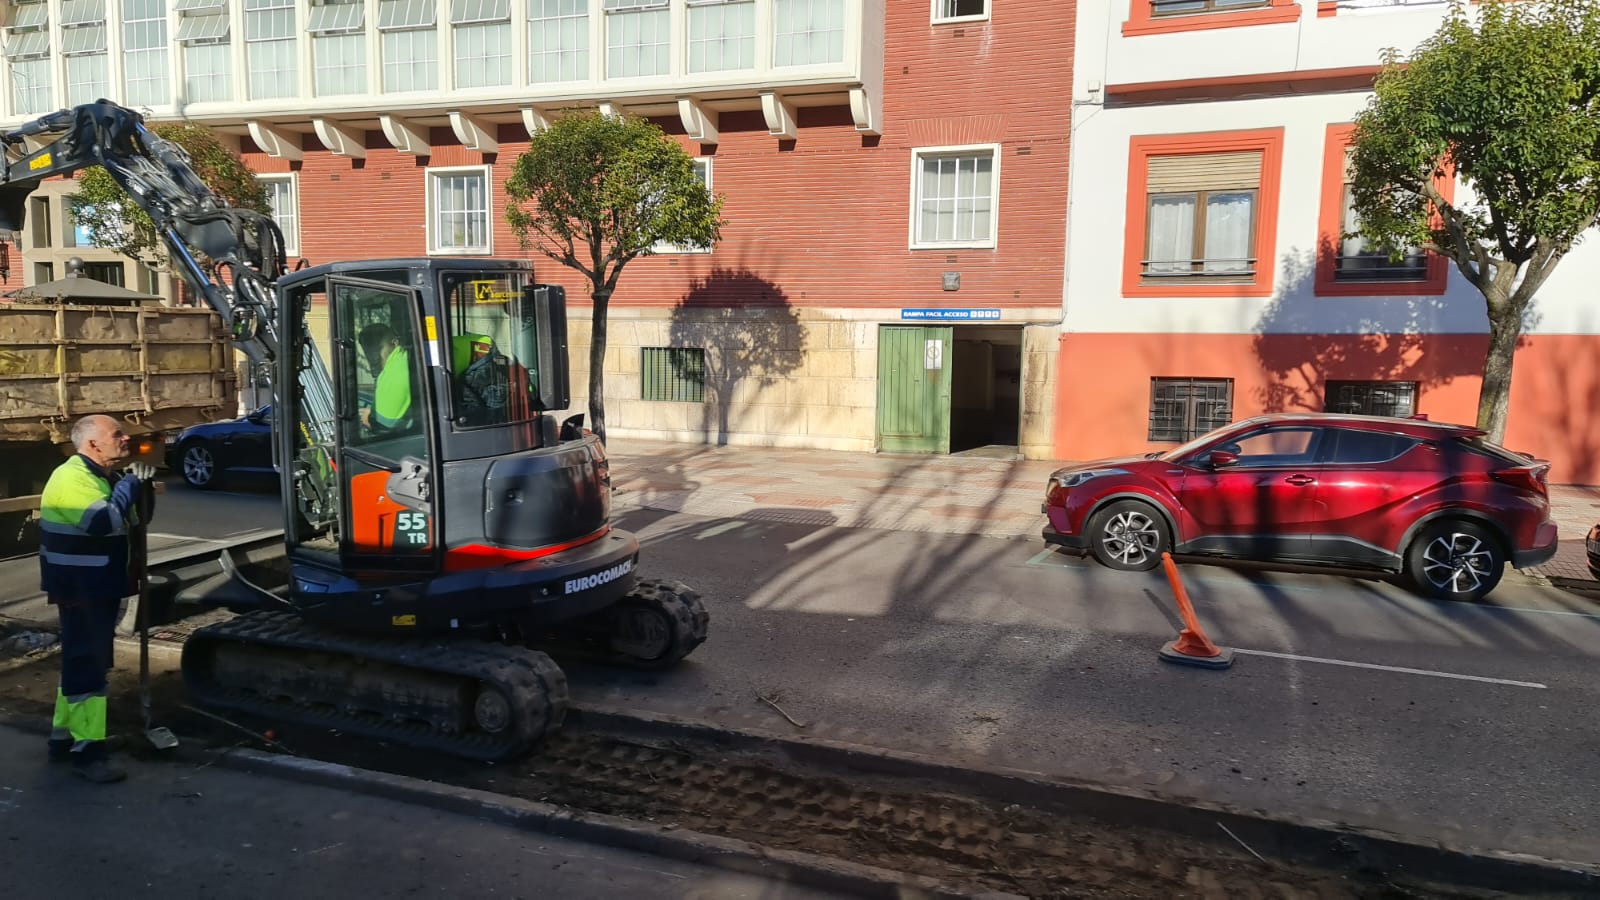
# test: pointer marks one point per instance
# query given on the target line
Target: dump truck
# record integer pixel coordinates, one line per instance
(69, 353)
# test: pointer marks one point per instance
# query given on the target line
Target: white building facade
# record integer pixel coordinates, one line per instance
(1207, 279)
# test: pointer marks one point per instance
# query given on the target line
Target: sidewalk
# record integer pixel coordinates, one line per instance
(939, 494)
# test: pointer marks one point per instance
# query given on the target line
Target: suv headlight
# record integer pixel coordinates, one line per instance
(1073, 479)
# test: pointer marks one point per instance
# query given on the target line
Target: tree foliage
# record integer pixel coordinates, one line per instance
(595, 192)
(1505, 97)
(117, 223)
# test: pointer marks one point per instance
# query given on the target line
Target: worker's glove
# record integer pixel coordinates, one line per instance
(142, 471)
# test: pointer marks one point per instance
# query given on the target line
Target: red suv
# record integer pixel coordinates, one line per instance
(1434, 501)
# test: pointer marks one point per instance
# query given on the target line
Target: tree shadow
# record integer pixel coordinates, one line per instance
(1304, 341)
(752, 339)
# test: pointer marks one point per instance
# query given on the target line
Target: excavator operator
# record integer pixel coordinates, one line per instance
(391, 366)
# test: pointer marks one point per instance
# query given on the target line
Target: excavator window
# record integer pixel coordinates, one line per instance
(493, 335)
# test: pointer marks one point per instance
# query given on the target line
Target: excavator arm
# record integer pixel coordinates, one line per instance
(229, 257)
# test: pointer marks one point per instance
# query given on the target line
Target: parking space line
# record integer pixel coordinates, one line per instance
(1400, 669)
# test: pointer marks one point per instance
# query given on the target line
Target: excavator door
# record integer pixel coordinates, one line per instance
(386, 453)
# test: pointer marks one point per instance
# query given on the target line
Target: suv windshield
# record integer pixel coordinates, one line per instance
(492, 335)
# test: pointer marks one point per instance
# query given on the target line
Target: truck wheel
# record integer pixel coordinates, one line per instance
(1455, 559)
(199, 465)
(1128, 535)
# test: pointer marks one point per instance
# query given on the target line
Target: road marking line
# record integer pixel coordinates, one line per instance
(1401, 669)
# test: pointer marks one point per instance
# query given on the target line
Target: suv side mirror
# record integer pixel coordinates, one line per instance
(1221, 459)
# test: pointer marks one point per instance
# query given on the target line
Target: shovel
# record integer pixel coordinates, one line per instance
(162, 737)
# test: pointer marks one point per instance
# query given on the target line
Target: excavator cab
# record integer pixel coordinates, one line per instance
(437, 456)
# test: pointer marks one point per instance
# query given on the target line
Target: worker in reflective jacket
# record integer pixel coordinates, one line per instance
(390, 364)
(85, 515)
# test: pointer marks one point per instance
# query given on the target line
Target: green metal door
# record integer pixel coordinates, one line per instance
(914, 389)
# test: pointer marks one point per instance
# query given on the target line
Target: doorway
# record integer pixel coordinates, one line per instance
(986, 393)
(950, 389)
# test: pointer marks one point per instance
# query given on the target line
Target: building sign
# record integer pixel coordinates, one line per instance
(951, 315)
(933, 354)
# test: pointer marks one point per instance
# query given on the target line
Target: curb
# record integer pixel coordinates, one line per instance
(685, 846)
(1317, 842)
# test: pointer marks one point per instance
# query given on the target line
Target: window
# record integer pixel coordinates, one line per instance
(207, 59)
(105, 272)
(1350, 447)
(1190, 7)
(1168, 16)
(808, 32)
(284, 200)
(955, 196)
(558, 40)
(1275, 447)
(338, 49)
(672, 373)
(482, 42)
(1347, 266)
(30, 84)
(493, 334)
(27, 50)
(83, 43)
(1202, 214)
(88, 75)
(77, 234)
(269, 33)
(410, 45)
(208, 72)
(722, 35)
(702, 169)
(1182, 409)
(638, 38)
(1371, 398)
(959, 10)
(144, 52)
(458, 210)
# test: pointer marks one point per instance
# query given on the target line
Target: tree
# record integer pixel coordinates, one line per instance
(1510, 105)
(594, 192)
(117, 223)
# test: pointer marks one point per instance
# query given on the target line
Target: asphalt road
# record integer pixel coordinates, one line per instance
(177, 831)
(1351, 699)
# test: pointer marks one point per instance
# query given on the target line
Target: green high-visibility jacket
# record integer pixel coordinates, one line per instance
(391, 396)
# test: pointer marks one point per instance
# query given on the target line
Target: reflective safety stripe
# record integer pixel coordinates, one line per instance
(73, 559)
(86, 719)
(59, 730)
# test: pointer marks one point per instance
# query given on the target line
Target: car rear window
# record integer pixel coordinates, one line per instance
(1353, 448)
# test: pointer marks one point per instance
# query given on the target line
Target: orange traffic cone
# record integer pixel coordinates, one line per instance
(1192, 648)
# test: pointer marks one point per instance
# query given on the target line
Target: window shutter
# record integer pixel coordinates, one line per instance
(1204, 172)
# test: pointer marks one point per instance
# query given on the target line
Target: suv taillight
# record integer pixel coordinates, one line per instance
(1529, 478)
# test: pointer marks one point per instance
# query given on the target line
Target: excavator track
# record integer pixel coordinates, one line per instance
(652, 626)
(467, 698)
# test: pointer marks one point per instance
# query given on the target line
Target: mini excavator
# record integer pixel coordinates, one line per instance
(441, 530)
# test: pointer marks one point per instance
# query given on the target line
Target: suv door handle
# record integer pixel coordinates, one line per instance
(1300, 479)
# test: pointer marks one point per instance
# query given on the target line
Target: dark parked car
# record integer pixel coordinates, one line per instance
(1437, 502)
(1591, 546)
(208, 454)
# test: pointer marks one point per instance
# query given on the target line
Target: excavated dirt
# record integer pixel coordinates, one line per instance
(961, 840)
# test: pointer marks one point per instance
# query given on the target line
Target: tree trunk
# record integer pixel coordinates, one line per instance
(597, 365)
(1495, 398)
